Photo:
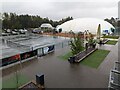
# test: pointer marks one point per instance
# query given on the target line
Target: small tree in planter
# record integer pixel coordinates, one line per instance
(76, 44)
(91, 41)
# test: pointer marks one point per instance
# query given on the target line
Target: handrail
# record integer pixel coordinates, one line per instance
(115, 71)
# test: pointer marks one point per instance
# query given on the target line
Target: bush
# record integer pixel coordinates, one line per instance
(76, 45)
(112, 37)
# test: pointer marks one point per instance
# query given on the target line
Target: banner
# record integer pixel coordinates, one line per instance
(10, 60)
(28, 54)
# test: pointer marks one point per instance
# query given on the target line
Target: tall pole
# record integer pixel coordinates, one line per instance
(16, 79)
(20, 64)
(16, 76)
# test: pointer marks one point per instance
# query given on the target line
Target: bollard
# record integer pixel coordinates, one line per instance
(40, 79)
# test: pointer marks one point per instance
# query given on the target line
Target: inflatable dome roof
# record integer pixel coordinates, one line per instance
(46, 25)
(82, 24)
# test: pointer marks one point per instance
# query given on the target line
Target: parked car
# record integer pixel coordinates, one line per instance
(4, 34)
(36, 30)
(14, 33)
(8, 31)
(22, 31)
(15, 30)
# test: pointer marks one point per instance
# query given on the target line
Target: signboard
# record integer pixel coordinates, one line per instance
(48, 49)
(17, 57)
(10, 60)
(28, 54)
(105, 31)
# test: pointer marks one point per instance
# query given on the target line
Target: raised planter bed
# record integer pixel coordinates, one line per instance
(80, 56)
(31, 86)
(103, 41)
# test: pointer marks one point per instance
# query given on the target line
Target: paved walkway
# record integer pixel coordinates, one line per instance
(61, 74)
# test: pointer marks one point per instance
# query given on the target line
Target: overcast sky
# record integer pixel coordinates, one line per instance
(57, 9)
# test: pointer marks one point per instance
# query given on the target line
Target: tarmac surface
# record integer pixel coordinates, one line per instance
(61, 74)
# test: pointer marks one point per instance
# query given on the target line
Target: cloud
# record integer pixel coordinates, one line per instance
(59, 0)
(57, 10)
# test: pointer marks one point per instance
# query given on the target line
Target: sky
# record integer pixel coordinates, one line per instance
(58, 9)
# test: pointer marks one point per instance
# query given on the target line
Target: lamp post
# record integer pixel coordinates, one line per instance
(16, 76)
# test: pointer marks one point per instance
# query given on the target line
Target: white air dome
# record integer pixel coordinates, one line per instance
(46, 25)
(82, 24)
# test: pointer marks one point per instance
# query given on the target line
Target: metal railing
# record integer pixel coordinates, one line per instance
(114, 78)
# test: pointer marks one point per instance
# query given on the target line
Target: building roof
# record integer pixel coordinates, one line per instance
(23, 44)
(82, 24)
(46, 25)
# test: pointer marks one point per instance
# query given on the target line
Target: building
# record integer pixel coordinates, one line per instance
(25, 47)
(119, 10)
(46, 27)
(82, 24)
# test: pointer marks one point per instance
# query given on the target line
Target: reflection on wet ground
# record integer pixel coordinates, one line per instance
(61, 74)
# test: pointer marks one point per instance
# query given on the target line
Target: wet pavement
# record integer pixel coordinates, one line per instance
(61, 74)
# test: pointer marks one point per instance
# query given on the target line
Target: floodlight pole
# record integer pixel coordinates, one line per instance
(16, 79)
(20, 64)
(16, 75)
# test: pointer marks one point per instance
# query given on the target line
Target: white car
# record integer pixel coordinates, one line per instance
(4, 34)
(14, 33)
(8, 30)
(22, 31)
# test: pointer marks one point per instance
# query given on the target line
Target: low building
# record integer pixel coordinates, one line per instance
(46, 27)
(16, 48)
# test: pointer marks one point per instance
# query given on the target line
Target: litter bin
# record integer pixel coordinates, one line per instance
(40, 79)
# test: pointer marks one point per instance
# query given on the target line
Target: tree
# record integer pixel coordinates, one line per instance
(111, 21)
(91, 42)
(65, 19)
(118, 23)
(76, 44)
(14, 21)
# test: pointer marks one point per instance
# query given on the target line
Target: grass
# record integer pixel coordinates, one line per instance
(67, 55)
(111, 42)
(11, 82)
(95, 59)
(111, 37)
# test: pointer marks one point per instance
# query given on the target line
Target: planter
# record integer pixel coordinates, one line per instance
(72, 59)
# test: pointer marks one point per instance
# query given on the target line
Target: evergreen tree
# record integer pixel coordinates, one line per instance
(13, 21)
(76, 44)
